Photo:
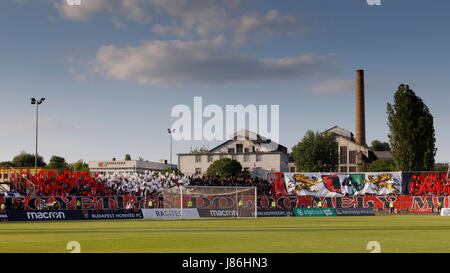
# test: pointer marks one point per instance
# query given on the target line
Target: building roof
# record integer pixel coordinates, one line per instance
(250, 136)
(383, 155)
(342, 132)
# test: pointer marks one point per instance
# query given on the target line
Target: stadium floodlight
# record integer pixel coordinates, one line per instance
(171, 131)
(34, 101)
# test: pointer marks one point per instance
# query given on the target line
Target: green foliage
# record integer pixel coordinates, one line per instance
(412, 134)
(379, 165)
(380, 146)
(6, 164)
(24, 160)
(79, 166)
(127, 157)
(57, 162)
(224, 167)
(437, 167)
(316, 152)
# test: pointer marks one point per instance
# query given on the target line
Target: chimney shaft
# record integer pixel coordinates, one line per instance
(360, 109)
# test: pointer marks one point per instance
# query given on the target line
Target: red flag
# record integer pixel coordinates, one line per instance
(280, 188)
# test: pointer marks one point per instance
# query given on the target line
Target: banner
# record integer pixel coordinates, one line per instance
(354, 212)
(112, 214)
(170, 214)
(66, 215)
(274, 213)
(415, 204)
(302, 212)
(339, 185)
(57, 215)
(218, 213)
(445, 212)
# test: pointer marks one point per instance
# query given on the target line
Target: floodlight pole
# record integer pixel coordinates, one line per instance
(36, 154)
(171, 131)
(34, 101)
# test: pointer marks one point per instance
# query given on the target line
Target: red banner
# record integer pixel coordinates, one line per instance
(402, 203)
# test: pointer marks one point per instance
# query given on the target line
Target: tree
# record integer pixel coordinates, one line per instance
(224, 167)
(57, 162)
(379, 165)
(412, 134)
(79, 166)
(24, 160)
(6, 164)
(127, 157)
(316, 152)
(380, 146)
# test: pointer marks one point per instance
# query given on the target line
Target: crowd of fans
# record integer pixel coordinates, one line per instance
(429, 184)
(66, 183)
(50, 183)
(146, 184)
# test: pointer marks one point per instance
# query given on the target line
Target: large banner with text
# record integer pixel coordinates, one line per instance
(339, 185)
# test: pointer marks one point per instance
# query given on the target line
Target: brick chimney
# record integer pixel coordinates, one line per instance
(360, 109)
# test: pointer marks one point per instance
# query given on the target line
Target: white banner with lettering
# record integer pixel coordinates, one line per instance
(340, 184)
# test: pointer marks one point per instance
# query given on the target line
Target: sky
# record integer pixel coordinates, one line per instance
(112, 70)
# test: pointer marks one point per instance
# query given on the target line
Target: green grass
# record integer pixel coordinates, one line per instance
(402, 233)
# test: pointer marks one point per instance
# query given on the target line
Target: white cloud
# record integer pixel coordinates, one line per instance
(333, 86)
(201, 62)
(272, 24)
(133, 10)
(198, 19)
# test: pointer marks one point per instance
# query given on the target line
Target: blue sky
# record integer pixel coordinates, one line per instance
(112, 70)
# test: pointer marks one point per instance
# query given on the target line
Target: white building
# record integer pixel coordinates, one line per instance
(128, 166)
(351, 155)
(246, 147)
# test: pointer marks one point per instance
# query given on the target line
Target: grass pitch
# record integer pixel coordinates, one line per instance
(402, 233)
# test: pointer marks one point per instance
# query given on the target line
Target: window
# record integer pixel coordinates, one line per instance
(239, 148)
(352, 157)
(246, 157)
(258, 158)
(198, 171)
(198, 158)
(231, 150)
(343, 169)
(292, 170)
(352, 169)
(210, 158)
(343, 155)
(246, 150)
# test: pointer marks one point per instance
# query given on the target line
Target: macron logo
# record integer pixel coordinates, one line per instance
(74, 2)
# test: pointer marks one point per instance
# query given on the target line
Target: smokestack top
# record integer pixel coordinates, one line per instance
(360, 109)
